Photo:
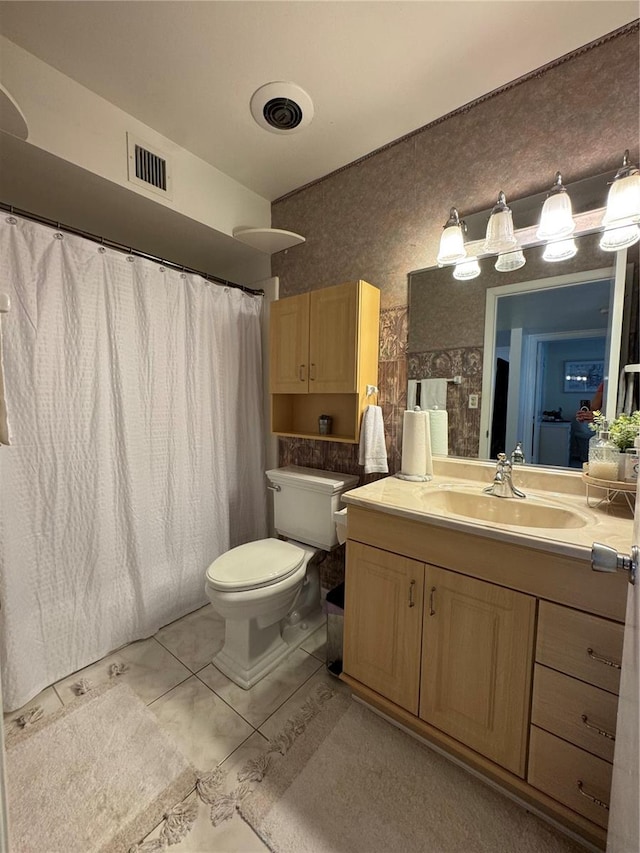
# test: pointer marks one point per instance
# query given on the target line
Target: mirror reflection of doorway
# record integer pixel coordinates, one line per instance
(539, 335)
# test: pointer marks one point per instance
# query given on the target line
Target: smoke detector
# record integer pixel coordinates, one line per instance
(281, 107)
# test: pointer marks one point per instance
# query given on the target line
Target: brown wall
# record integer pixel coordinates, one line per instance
(381, 217)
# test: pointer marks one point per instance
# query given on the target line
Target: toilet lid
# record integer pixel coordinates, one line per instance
(255, 564)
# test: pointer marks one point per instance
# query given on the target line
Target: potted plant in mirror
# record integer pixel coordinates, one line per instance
(618, 436)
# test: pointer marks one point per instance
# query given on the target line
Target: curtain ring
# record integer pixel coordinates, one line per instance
(182, 274)
(101, 247)
(12, 220)
(130, 257)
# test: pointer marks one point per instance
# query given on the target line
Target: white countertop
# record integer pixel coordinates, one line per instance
(611, 524)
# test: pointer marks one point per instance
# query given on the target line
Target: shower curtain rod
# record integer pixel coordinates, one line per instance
(121, 247)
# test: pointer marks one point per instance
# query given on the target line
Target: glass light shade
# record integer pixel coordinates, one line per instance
(509, 261)
(556, 219)
(623, 201)
(619, 236)
(560, 250)
(451, 245)
(500, 236)
(467, 269)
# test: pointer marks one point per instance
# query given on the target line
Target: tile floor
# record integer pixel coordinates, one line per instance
(213, 721)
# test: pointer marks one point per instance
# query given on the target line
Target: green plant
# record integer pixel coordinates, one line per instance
(622, 430)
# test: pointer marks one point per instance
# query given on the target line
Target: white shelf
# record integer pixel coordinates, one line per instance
(268, 240)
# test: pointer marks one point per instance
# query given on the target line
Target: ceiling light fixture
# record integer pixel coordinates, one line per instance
(500, 236)
(452, 240)
(556, 219)
(622, 216)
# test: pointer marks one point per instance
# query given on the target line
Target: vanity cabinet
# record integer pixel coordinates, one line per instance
(513, 669)
(477, 649)
(323, 352)
(383, 632)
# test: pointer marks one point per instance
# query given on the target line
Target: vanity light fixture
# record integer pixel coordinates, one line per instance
(467, 269)
(500, 236)
(556, 219)
(452, 240)
(559, 250)
(622, 215)
(509, 261)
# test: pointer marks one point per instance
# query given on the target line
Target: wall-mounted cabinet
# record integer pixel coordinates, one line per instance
(323, 352)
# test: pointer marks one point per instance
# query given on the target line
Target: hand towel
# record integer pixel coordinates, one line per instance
(373, 450)
(4, 424)
(433, 394)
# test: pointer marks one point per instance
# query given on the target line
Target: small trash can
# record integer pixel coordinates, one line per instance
(334, 606)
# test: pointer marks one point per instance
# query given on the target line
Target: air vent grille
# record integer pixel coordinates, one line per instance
(147, 167)
(151, 168)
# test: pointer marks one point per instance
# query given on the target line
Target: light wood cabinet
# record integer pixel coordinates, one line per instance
(383, 597)
(492, 613)
(477, 649)
(323, 353)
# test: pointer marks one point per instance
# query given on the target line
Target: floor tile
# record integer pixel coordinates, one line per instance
(276, 722)
(151, 671)
(316, 645)
(205, 728)
(48, 700)
(261, 700)
(232, 836)
(195, 638)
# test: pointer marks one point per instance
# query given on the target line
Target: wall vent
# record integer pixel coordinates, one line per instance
(148, 167)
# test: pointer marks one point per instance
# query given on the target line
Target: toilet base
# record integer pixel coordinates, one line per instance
(249, 652)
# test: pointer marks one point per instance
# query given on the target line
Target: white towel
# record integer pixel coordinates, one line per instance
(4, 424)
(433, 394)
(373, 450)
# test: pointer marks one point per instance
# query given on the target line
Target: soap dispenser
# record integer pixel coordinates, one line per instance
(604, 455)
(517, 457)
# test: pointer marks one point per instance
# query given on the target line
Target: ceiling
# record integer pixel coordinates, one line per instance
(374, 70)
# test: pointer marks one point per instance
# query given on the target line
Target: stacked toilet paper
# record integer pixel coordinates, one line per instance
(416, 446)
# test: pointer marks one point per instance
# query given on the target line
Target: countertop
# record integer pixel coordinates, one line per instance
(611, 524)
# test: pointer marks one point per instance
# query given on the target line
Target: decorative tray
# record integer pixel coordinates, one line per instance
(614, 485)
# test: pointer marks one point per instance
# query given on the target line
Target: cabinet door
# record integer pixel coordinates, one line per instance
(477, 654)
(333, 339)
(289, 345)
(383, 622)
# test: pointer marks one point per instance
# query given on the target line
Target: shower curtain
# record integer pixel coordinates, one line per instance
(134, 399)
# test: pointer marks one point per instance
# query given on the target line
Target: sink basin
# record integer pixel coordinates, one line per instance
(474, 504)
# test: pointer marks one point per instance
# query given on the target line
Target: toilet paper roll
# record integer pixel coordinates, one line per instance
(416, 446)
(439, 423)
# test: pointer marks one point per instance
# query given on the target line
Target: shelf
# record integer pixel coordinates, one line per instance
(343, 439)
(268, 240)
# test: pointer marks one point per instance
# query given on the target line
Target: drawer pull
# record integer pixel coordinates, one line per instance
(312, 372)
(301, 372)
(432, 611)
(593, 799)
(411, 588)
(593, 728)
(605, 661)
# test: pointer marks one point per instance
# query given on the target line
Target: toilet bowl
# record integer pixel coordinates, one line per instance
(268, 591)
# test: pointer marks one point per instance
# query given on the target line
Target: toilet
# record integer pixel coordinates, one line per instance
(268, 591)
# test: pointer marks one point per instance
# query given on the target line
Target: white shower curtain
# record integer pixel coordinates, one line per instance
(134, 399)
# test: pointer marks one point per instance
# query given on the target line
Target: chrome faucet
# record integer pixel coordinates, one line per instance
(502, 486)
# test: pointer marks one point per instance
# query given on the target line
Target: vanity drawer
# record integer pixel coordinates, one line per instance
(575, 711)
(585, 646)
(570, 775)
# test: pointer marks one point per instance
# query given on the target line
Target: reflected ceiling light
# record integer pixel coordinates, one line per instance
(500, 236)
(509, 261)
(622, 216)
(559, 250)
(452, 240)
(556, 219)
(467, 269)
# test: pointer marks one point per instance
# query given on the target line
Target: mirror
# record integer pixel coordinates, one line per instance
(537, 325)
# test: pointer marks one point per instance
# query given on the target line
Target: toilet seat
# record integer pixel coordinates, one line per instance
(254, 565)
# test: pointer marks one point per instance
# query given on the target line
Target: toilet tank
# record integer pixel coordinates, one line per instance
(304, 501)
